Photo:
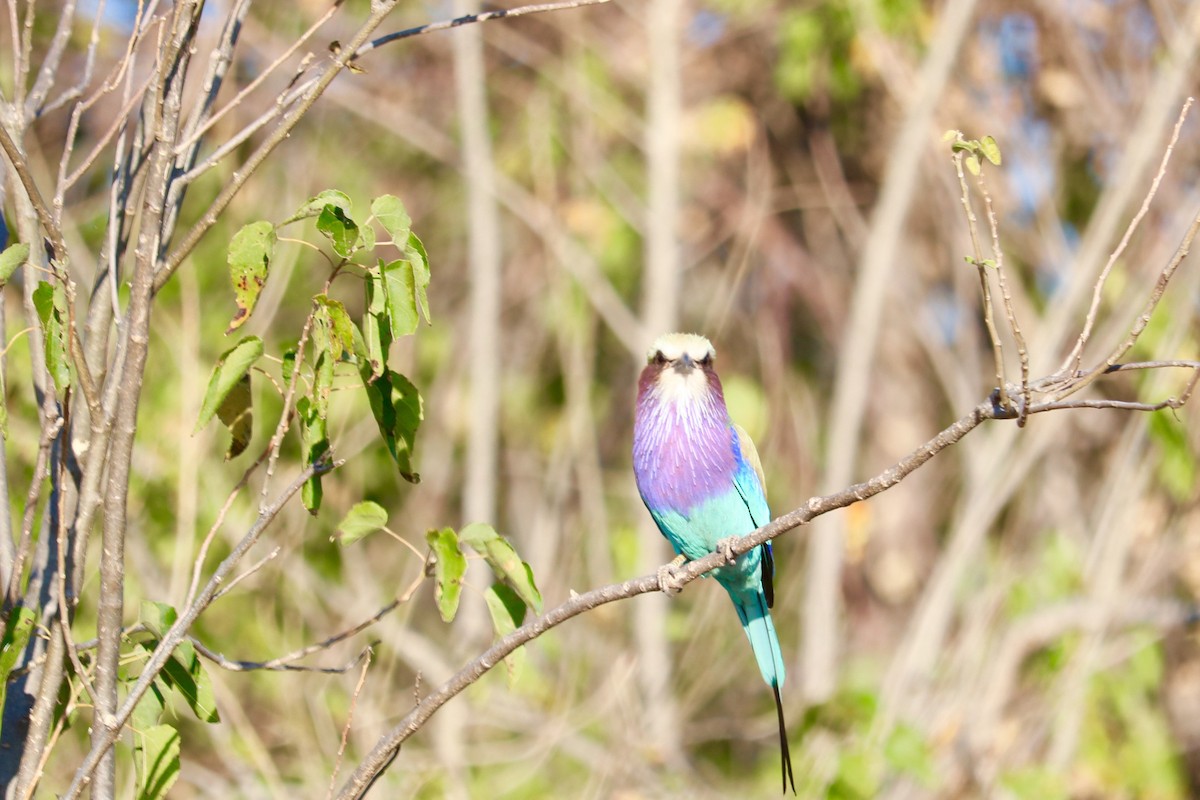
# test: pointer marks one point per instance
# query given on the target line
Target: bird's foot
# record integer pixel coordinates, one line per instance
(725, 548)
(668, 576)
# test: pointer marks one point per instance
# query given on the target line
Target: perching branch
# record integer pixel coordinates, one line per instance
(386, 748)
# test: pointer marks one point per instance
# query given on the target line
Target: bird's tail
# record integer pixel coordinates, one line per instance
(756, 622)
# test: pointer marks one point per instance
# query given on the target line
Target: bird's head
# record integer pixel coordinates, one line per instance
(679, 366)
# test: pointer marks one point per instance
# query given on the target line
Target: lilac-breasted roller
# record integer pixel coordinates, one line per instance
(700, 477)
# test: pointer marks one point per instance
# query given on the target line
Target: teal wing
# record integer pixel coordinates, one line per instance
(752, 487)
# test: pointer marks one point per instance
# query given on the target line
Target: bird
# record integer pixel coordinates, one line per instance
(701, 479)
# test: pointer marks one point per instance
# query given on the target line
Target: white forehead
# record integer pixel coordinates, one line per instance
(674, 345)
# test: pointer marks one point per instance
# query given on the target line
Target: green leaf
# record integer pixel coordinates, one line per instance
(416, 255)
(17, 628)
(376, 327)
(288, 365)
(231, 367)
(503, 560)
(315, 205)
(336, 225)
(149, 710)
(507, 611)
(972, 162)
(314, 444)
(391, 214)
(156, 761)
(249, 257)
(186, 674)
(990, 150)
(449, 566)
(396, 405)
(51, 304)
(237, 413)
(157, 617)
(366, 238)
(361, 520)
(13, 256)
(400, 294)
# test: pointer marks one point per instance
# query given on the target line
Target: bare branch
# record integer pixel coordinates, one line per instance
(275, 665)
(486, 16)
(337, 764)
(1073, 359)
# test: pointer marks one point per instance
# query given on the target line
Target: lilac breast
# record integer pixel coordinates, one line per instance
(683, 452)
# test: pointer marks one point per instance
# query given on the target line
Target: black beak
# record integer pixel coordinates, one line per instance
(685, 363)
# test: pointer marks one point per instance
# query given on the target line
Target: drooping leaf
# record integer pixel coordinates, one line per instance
(51, 304)
(156, 761)
(186, 674)
(336, 225)
(504, 561)
(416, 255)
(972, 162)
(376, 328)
(400, 293)
(229, 370)
(396, 405)
(17, 628)
(507, 611)
(314, 444)
(361, 520)
(13, 256)
(392, 215)
(237, 413)
(249, 258)
(449, 566)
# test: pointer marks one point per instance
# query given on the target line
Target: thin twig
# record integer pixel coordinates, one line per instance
(486, 16)
(250, 666)
(198, 564)
(358, 687)
(241, 576)
(1009, 313)
(285, 662)
(1076, 355)
(989, 315)
(1160, 287)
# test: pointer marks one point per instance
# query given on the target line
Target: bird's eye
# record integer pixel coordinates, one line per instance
(707, 360)
(659, 358)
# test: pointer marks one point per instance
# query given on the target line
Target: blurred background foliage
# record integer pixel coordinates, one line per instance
(789, 114)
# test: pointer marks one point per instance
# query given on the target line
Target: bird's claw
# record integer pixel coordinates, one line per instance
(668, 576)
(725, 548)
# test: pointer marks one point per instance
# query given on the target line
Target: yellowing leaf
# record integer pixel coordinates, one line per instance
(249, 257)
